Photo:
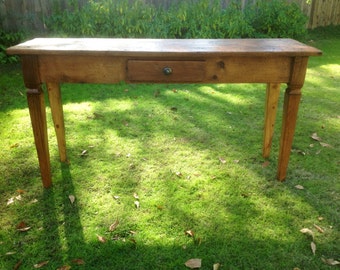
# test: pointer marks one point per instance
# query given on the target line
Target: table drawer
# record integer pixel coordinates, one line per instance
(165, 71)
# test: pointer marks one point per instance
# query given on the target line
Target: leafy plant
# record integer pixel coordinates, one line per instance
(7, 39)
(277, 18)
(186, 19)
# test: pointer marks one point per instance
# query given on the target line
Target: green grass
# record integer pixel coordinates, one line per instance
(167, 149)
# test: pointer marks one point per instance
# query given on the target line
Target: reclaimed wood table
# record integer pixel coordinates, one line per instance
(69, 60)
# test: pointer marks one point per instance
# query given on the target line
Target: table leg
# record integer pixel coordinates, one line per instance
(272, 97)
(36, 105)
(290, 111)
(54, 96)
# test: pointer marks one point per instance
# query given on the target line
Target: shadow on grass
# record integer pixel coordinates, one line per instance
(222, 236)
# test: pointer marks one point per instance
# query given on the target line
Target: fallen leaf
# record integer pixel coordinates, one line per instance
(41, 264)
(133, 240)
(17, 265)
(198, 241)
(116, 197)
(65, 267)
(22, 227)
(190, 233)
(216, 266)
(313, 247)
(137, 204)
(265, 164)
(83, 153)
(101, 238)
(307, 231)
(193, 263)
(10, 201)
(114, 225)
(315, 137)
(299, 187)
(179, 174)
(319, 228)
(135, 195)
(14, 145)
(72, 198)
(320, 218)
(97, 115)
(78, 261)
(20, 191)
(298, 151)
(330, 261)
(10, 253)
(222, 160)
(325, 145)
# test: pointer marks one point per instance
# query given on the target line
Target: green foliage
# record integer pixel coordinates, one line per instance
(277, 18)
(187, 19)
(6, 40)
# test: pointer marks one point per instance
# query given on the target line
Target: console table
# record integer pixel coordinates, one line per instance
(70, 60)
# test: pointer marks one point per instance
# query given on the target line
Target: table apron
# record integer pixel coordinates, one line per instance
(113, 69)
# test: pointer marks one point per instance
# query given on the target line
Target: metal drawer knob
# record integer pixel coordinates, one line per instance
(167, 70)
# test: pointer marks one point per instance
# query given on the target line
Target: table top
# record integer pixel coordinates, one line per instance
(163, 47)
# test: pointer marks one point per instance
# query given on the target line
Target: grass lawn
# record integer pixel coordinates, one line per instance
(177, 172)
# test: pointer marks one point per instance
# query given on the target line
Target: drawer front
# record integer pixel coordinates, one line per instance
(165, 71)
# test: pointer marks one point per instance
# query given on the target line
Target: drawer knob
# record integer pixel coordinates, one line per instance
(167, 70)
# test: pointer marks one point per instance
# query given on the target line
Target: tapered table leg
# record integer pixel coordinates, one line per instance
(36, 105)
(37, 109)
(272, 97)
(290, 111)
(54, 96)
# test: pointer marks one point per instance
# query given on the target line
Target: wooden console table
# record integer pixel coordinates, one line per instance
(54, 60)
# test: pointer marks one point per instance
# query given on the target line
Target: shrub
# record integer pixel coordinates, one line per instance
(186, 19)
(275, 18)
(8, 39)
(105, 18)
